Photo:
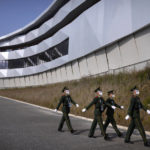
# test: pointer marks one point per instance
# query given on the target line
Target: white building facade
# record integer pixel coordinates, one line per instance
(73, 39)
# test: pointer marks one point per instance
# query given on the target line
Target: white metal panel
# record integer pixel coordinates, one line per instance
(21, 38)
(3, 73)
(5, 55)
(19, 54)
(29, 36)
(60, 15)
(5, 43)
(58, 38)
(45, 27)
(1, 56)
(76, 3)
(28, 52)
(14, 41)
(140, 13)
(12, 72)
(12, 55)
(43, 46)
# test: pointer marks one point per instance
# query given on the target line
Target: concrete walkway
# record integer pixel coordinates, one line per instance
(25, 127)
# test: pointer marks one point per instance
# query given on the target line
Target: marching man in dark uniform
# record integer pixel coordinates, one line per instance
(99, 103)
(67, 102)
(110, 112)
(134, 113)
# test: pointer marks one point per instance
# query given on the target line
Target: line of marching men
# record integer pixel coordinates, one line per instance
(110, 105)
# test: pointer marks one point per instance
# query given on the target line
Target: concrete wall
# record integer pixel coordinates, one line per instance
(92, 64)
(76, 70)
(69, 72)
(130, 53)
(63, 74)
(49, 77)
(22, 82)
(83, 67)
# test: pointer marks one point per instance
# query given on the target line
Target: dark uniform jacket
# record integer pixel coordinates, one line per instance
(66, 101)
(110, 110)
(135, 106)
(99, 103)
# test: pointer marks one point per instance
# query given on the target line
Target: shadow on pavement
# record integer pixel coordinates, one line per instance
(78, 132)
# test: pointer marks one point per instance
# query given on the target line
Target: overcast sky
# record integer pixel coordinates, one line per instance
(15, 14)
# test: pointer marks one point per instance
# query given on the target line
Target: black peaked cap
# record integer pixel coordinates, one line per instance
(98, 89)
(65, 88)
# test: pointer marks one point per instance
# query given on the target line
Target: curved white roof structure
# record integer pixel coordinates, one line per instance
(69, 30)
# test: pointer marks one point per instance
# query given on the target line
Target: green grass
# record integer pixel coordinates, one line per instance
(82, 93)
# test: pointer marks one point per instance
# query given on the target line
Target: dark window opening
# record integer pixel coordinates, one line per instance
(51, 54)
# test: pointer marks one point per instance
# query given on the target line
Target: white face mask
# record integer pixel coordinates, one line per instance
(137, 92)
(113, 95)
(100, 93)
(67, 92)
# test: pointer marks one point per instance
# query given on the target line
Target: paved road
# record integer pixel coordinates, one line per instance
(25, 127)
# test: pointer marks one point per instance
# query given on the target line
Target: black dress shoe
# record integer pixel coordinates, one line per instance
(92, 136)
(73, 131)
(60, 130)
(102, 134)
(106, 137)
(147, 144)
(129, 142)
(120, 134)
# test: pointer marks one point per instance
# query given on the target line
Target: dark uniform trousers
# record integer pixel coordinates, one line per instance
(66, 101)
(135, 122)
(97, 119)
(110, 119)
(99, 108)
(64, 118)
(110, 116)
(134, 112)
